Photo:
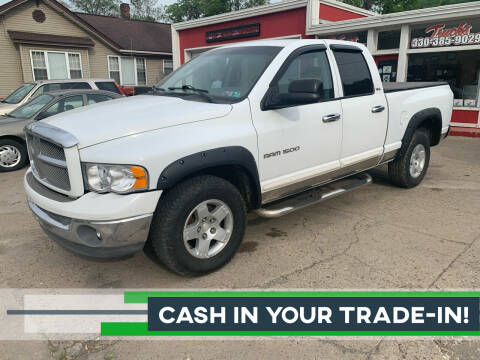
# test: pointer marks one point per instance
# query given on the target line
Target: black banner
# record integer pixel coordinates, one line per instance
(237, 32)
(313, 314)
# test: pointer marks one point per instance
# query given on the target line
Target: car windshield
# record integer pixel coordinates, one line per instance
(223, 75)
(31, 108)
(19, 94)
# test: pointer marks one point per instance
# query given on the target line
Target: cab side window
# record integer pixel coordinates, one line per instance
(354, 72)
(309, 65)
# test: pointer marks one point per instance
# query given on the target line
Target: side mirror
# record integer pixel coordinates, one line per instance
(304, 91)
(300, 92)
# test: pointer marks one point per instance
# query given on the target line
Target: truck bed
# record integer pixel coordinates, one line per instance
(389, 87)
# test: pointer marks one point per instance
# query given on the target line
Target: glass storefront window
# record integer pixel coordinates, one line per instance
(461, 69)
(388, 40)
(360, 37)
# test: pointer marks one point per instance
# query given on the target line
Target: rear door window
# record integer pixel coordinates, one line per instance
(107, 86)
(354, 72)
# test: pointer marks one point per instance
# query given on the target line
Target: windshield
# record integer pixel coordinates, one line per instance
(224, 75)
(19, 94)
(31, 108)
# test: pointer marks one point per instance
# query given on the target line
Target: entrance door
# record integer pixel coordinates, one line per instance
(299, 144)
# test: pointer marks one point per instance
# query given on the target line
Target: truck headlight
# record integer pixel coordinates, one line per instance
(120, 179)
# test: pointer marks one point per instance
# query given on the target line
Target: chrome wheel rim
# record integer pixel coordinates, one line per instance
(10, 156)
(417, 161)
(208, 229)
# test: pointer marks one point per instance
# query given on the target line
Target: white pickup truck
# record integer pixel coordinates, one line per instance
(259, 126)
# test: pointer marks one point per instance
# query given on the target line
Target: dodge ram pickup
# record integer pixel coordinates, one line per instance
(267, 126)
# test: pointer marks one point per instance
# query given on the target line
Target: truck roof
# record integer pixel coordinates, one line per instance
(295, 43)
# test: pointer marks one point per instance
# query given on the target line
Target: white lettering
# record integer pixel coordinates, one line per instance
(381, 316)
(363, 314)
(417, 315)
(161, 316)
(347, 310)
(274, 314)
(396, 315)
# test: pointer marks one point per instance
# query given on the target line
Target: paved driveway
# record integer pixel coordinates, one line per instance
(379, 237)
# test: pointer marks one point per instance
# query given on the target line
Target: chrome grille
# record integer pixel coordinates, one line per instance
(51, 150)
(48, 162)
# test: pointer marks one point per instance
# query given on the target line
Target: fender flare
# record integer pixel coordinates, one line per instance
(415, 121)
(202, 161)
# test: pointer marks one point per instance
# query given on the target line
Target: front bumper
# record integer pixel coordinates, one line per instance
(94, 238)
(91, 235)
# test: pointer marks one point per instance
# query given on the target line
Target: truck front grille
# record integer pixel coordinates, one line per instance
(48, 162)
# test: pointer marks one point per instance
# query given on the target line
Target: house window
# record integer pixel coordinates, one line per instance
(39, 64)
(167, 66)
(114, 68)
(141, 74)
(127, 70)
(75, 66)
(48, 65)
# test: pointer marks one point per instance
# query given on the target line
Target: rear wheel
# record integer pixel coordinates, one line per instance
(198, 225)
(13, 155)
(409, 169)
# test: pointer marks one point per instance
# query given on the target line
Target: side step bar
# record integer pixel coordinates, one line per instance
(292, 204)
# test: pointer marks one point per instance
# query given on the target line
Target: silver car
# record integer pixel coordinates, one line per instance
(31, 90)
(13, 151)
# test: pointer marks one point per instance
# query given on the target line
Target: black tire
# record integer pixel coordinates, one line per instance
(399, 169)
(22, 150)
(173, 210)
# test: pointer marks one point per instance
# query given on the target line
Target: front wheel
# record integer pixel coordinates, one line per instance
(409, 169)
(13, 155)
(198, 225)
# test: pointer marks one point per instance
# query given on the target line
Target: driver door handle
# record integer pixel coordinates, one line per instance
(378, 109)
(331, 118)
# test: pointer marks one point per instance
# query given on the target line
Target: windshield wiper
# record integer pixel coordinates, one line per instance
(203, 93)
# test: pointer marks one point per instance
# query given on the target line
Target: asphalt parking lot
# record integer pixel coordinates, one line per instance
(379, 237)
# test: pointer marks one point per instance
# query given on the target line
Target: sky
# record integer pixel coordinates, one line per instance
(163, 2)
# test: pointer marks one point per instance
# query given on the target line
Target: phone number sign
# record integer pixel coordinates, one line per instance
(441, 35)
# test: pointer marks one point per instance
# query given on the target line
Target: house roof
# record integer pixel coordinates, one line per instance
(126, 36)
(135, 35)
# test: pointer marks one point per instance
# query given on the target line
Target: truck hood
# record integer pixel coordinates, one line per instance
(6, 108)
(118, 118)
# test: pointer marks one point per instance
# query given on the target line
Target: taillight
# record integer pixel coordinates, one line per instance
(119, 89)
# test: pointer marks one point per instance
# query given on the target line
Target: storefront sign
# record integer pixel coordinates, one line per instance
(360, 37)
(446, 34)
(238, 32)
